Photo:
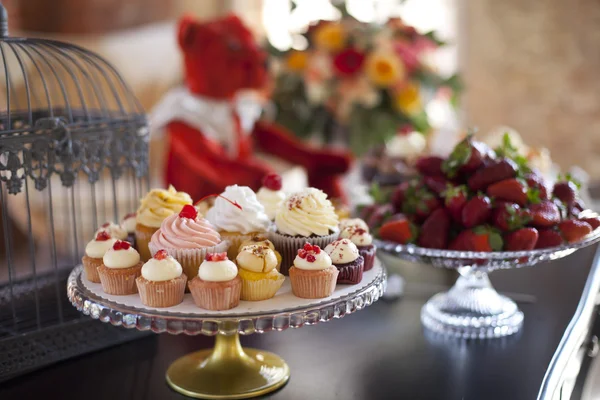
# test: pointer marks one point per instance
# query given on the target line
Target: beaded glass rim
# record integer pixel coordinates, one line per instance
(194, 324)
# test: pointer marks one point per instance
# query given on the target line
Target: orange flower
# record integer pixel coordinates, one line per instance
(408, 99)
(384, 69)
(296, 61)
(330, 36)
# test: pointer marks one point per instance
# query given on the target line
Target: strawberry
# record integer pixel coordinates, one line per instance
(544, 214)
(480, 238)
(121, 245)
(430, 166)
(536, 182)
(575, 208)
(188, 211)
(102, 236)
(160, 255)
(216, 256)
(380, 214)
(366, 211)
(399, 231)
(508, 216)
(466, 157)
(548, 238)
(272, 182)
(593, 221)
(400, 192)
(566, 191)
(420, 203)
(509, 189)
(436, 184)
(435, 229)
(455, 198)
(476, 211)
(573, 230)
(497, 171)
(521, 239)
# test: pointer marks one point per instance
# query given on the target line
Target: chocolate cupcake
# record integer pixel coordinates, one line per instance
(306, 216)
(346, 258)
(363, 241)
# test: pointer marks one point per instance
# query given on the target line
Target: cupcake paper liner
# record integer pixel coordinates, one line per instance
(119, 281)
(216, 296)
(288, 246)
(313, 284)
(190, 259)
(143, 234)
(351, 273)
(90, 267)
(368, 253)
(161, 294)
(235, 240)
(262, 289)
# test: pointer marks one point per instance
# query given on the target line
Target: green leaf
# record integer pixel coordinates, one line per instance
(495, 240)
(460, 156)
(433, 37)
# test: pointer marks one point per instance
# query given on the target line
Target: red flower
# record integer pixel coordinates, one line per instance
(348, 62)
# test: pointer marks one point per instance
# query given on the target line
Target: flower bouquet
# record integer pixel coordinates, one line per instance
(357, 83)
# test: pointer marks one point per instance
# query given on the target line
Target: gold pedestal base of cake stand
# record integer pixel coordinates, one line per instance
(228, 371)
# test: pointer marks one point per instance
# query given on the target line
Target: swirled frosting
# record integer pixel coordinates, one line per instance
(159, 204)
(217, 271)
(185, 233)
(121, 258)
(342, 251)
(271, 200)
(97, 248)
(229, 218)
(115, 231)
(161, 270)
(307, 213)
(357, 222)
(358, 236)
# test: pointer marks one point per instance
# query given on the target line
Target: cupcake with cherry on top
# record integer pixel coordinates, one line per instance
(260, 278)
(94, 251)
(363, 241)
(217, 286)
(162, 283)
(313, 276)
(120, 267)
(347, 259)
(262, 240)
(270, 195)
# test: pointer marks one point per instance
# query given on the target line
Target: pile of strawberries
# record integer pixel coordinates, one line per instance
(479, 199)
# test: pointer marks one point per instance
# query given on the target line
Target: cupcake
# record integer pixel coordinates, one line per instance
(94, 251)
(363, 241)
(262, 241)
(345, 223)
(187, 237)
(162, 283)
(217, 286)
(115, 231)
(128, 223)
(304, 216)
(256, 267)
(120, 267)
(346, 258)
(270, 195)
(154, 208)
(313, 276)
(238, 216)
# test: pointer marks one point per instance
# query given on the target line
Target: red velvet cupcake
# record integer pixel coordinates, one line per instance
(347, 259)
(363, 241)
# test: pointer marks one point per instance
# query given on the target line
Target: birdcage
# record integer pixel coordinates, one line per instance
(73, 154)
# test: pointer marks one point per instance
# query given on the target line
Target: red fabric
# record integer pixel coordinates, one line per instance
(220, 58)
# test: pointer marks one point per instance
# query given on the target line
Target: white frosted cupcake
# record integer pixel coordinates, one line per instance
(270, 195)
(347, 259)
(162, 283)
(120, 267)
(355, 222)
(313, 276)
(114, 230)
(217, 286)
(238, 215)
(363, 240)
(94, 251)
(304, 216)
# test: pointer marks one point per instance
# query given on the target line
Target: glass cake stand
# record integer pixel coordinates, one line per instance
(228, 371)
(472, 308)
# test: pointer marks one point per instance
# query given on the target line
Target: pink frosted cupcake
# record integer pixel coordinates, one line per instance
(187, 237)
(363, 241)
(217, 286)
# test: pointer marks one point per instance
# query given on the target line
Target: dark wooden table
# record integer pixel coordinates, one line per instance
(379, 353)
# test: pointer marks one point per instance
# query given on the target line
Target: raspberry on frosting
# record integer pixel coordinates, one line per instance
(308, 252)
(102, 236)
(161, 255)
(216, 257)
(121, 245)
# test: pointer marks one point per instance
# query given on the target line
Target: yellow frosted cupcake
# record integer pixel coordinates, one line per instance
(238, 215)
(260, 278)
(262, 240)
(154, 208)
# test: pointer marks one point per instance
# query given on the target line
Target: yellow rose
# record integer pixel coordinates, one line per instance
(330, 36)
(384, 69)
(408, 99)
(296, 61)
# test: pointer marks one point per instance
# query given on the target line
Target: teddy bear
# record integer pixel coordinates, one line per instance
(212, 125)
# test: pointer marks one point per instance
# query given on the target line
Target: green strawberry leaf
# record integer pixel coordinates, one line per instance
(569, 178)
(533, 196)
(459, 157)
(495, 240)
